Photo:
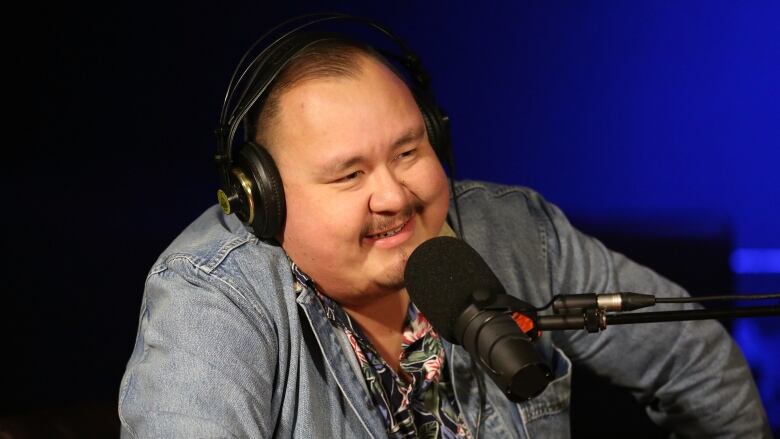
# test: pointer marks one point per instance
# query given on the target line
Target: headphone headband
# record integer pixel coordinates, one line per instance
(230, 119)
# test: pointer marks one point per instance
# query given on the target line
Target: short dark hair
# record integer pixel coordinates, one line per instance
(331, 57)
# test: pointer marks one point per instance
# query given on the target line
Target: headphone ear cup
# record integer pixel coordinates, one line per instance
(267, 190)
(437, 126)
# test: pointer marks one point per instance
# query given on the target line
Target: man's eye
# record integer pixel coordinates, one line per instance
(407, 153)
(349, 177)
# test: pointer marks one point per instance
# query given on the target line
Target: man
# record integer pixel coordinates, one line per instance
(312, 334)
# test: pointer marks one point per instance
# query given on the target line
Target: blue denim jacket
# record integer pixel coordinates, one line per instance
(227, 348)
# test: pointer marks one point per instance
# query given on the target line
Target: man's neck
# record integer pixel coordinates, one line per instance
(382, 321)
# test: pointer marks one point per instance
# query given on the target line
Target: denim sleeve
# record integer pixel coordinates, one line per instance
(690, 375)
(202, 366)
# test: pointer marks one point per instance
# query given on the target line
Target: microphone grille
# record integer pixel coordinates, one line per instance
(441, 276)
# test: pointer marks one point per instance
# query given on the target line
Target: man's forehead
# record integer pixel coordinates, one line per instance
(374, 108)
(369, 74)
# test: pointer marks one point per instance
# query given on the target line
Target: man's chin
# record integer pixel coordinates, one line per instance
(392, 280)
(392, 275)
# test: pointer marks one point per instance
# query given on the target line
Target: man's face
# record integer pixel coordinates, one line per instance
(362, 183)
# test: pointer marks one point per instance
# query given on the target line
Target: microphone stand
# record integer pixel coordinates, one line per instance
(594, 320)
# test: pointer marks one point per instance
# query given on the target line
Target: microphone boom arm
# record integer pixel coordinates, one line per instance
(595, 320)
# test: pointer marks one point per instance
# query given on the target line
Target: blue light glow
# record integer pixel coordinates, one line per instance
(755, 260)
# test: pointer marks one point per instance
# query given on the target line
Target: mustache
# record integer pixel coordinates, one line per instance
(382, 223)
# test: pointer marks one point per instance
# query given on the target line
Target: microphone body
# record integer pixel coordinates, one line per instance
(493, 338)
(465, 302)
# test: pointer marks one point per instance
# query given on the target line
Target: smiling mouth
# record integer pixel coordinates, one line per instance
(388, 233)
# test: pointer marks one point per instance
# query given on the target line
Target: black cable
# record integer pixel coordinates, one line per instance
(717, 298)
(698, 314)
(737, 297)
(455, 203)
(542, 308)
(475, 370)
(480, 377)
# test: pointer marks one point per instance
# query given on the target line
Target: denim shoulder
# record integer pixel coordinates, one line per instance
(215, 324)
(525, 206)
(220, 247)
(511, 228)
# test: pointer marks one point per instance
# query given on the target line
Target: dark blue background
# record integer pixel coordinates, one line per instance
(645, 120)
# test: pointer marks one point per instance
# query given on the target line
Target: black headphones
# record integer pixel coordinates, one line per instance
(251, 184)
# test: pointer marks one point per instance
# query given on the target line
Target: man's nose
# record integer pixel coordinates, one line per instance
(389, 193)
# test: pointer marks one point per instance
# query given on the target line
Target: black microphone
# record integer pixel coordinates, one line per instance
(465, 302)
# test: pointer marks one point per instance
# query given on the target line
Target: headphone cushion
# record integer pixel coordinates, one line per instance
(269, 201)
(437, 127)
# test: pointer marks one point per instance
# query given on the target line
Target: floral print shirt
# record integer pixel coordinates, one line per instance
(419, 404)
